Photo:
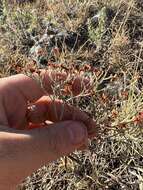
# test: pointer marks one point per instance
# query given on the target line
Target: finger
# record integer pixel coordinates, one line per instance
(40, 146)
(63, 137)
(56, 110)
(51, 78)
(81, 84)
(31, 89)
(42, 125)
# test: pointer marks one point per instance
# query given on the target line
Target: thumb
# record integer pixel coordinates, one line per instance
(28, 150)
(58, 139)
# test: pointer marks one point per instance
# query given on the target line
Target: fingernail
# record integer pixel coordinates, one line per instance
(78, 133)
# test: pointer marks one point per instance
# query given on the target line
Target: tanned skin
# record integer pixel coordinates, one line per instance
(26, 142)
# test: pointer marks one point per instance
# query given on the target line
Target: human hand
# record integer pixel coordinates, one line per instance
(26, 150)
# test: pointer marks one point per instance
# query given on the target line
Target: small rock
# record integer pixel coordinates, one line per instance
(95, 21)
(51, 29)
(92, 10)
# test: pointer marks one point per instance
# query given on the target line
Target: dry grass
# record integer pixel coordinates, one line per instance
(115, 161)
